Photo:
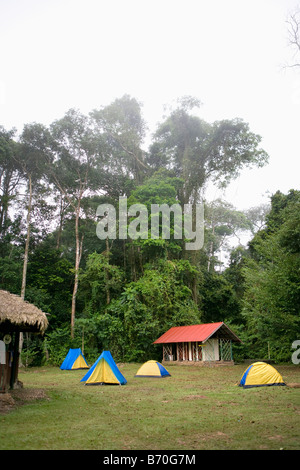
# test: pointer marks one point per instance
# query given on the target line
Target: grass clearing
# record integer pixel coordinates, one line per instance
(196, 408)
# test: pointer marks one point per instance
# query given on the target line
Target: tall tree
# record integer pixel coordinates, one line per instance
(293, 25)
(256, 217)
(75, 172)
(222, 221)
(31, 161)
(200, 152)
(271, 299)
(9, 176)
(123, 128)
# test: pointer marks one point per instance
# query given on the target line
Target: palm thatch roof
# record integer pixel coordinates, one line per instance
(18, 314)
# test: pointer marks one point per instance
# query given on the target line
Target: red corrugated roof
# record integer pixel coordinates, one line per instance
(183, 334)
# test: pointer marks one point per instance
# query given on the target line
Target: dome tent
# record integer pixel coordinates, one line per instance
(152, 369)
(260, 374)
(74, 360)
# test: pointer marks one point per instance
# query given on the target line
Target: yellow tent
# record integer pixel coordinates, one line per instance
(104, 371)
(260, 374)
(152, 369)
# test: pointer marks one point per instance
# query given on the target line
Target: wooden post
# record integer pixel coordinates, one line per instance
(15, 362)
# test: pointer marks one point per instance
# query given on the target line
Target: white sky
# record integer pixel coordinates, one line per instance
(58, 54)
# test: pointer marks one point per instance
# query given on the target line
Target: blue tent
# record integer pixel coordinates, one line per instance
(104, 371)
(74, 360)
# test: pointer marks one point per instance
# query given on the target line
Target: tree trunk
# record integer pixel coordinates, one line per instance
(107, 274)
(210, 263)
(61, 219)
(77, 263)
(27, 240)
(25, 263)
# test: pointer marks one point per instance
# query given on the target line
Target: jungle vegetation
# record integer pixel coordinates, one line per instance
(122, 294)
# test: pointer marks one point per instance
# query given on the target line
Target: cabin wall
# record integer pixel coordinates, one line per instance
(9, 363)
(5, 374)
(211, 350)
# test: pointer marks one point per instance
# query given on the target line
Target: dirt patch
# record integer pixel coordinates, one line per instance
(7, 403)
(194, 397)
(15, 398)
(193, 442)
(278, 437)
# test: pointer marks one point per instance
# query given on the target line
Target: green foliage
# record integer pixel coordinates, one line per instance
(147, 307)
(58, 343)
(11, 272)
(33, 352)
(271, 302)
(218, 299)
(161, 188)
(49, 283)
(100, 282)
(198, 151)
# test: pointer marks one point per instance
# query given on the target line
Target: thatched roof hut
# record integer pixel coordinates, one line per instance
(18, 314)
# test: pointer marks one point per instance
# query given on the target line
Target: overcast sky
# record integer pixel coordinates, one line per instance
(59, 54)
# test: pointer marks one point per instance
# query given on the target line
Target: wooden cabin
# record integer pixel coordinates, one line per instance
(207, 342)
(16, 316)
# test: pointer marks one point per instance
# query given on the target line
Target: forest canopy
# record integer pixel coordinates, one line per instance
(121, 294)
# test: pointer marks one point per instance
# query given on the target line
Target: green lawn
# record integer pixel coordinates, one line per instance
(195, 408)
